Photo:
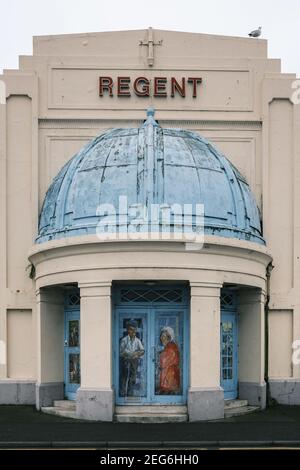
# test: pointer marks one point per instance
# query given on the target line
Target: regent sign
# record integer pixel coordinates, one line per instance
(158, 87)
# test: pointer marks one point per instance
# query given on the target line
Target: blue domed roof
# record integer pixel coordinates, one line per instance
(149, 165)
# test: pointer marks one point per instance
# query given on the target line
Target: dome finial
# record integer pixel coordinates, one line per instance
(150, 111)
(150, 117)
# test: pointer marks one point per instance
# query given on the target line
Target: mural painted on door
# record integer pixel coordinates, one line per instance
(132, 357)
(72, 344)
(151, 342)
(169, 353)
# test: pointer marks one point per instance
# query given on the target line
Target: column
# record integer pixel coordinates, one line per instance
(50, 346)
(3, 233)
(94, 399)
(206, 397)
(251, 329)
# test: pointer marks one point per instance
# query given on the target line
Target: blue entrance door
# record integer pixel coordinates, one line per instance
(150, 349)
(150, 356)
(72, 353)
(229, 354)
(170, 366)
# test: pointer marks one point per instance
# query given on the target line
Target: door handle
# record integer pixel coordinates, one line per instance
(153, 354)
(66, 342)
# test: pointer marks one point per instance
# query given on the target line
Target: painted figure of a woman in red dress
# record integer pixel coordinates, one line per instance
(169, 361)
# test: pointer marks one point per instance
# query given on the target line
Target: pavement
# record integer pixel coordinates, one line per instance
(25, 427)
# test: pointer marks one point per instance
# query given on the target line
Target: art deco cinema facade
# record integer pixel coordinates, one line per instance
(150, 245)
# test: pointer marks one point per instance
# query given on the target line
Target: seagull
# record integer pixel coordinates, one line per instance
(256, 33)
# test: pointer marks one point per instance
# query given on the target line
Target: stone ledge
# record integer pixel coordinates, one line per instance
(205, 404)
(285, 391)
(17, 392)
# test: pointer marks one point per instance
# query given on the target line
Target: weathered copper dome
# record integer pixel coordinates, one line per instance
(149, 165)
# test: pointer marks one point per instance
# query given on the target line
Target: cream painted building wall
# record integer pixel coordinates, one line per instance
(52, 108)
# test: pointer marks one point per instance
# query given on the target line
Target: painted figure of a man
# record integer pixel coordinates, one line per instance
(131, 351)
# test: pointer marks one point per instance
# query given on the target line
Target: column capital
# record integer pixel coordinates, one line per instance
(95, 289)
(205, 289)
(251, 296)
(52, 295)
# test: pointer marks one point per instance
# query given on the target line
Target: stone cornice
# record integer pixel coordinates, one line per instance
(69, 123)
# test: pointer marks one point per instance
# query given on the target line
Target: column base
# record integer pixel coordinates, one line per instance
(95, 404)
(46, 393)
(285, 391)
(254, 392)
(205, 404)
(17, 392)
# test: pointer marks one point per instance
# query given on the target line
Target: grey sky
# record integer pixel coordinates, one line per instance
(22, 19)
